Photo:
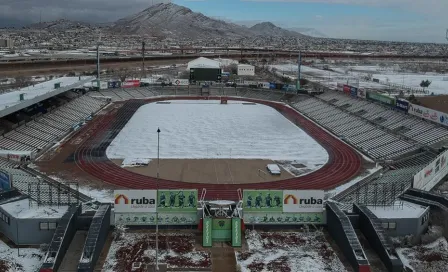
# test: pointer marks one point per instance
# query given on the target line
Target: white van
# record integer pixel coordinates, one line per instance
(274, 169)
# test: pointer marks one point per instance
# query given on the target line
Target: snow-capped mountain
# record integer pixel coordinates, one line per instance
(171, 20)
(269, 29)
(309, 32)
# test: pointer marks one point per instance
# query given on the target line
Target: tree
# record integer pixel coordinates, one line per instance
(184, 75)
(425, 83)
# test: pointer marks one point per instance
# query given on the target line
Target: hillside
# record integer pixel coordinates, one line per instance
(174, 21)
(269, 29)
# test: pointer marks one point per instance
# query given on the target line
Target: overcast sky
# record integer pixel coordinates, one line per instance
(405, 20)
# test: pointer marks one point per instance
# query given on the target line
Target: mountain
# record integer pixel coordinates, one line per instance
(174, 21)
(269, 29)
(309, 32)
(61, 24)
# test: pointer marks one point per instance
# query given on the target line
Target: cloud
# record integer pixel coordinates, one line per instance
(81, 10)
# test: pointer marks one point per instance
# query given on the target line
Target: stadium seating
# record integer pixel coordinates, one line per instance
(41, 132)
(401, 123)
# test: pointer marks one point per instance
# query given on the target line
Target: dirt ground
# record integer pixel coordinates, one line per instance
(222, 171)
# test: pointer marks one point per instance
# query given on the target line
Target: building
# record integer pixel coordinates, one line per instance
(226, 62)
(8, 43)
(402, 218)
(203, 63)
(246, 70)
(25, 222)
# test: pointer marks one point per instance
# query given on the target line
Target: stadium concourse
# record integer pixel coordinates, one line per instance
(344, 163)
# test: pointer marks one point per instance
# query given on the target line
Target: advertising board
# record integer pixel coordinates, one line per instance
(177, 201)
(207, 232)
(401, 104)
(135, 219)
(18, 156)
(381, 98)
(5, 180)
(135, 201)
(361, 93)
(113, 84)
(429, 176)
(263, 201)
(284, 218)
(428, 114)
(181, 82)
(346, 89)
(131, 83)
(302, 201)
(236, 232)
(354, 92)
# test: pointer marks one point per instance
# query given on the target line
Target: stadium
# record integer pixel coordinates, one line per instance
(59, 138)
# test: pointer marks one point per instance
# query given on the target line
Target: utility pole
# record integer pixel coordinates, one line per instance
(143, 59)
(299, 64)
(98, 60)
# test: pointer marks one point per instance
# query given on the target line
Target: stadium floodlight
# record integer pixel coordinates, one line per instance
(157, 186)
(447, 34)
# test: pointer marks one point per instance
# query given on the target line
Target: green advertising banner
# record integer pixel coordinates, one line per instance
(180, 201)
(131, 219)
(236, 232)
(381, 98)
(263, 201)
(207, 232)
(284, 218)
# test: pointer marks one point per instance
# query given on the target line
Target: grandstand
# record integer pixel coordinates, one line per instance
(42, 119)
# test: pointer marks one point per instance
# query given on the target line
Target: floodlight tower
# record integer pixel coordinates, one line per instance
(98, 58)
(447, 34)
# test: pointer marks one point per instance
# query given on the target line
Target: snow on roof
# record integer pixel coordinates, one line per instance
(245, 65)
(27, 208)
(13, 98)
(400, 209)
(203, 63)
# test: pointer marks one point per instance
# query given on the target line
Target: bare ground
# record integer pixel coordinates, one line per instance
(222, 171)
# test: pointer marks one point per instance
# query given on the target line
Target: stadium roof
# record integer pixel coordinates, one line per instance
(10, 102)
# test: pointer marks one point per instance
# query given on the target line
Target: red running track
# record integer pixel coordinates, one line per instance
(343, 164)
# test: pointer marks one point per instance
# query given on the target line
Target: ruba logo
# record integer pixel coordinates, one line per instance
(122, 199)
(290, 198)
(125, 199)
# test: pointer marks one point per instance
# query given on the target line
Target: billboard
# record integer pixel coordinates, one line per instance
(177, 200)
(135, 201)
(301, 201)
(354, 92)
(284, 218)
(236, 232)
(429, 176)
(207, 232)
(361, 93)
(346, 89)
(263, 200)
(205, 74)
(5, 180)
(402, 104)
(131, 83)
(381, 98)
(134, 219)
(428, 114)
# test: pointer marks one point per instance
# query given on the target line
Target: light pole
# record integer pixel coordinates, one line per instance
(157, 186)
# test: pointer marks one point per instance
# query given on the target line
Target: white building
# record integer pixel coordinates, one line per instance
(246, 70)
(203, 63)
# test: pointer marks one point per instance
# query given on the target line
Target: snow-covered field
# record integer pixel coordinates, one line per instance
(289, 251)
(207, 129)
(428, 258)
(30, 259)
(176, 250)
